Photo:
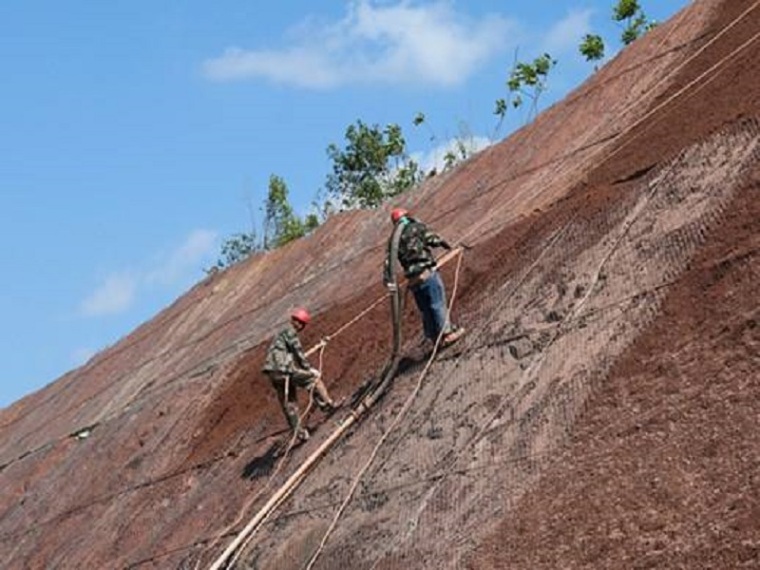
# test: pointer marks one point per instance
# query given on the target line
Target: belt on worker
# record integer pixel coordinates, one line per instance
(420, 278)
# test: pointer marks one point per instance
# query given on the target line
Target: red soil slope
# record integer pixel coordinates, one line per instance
(599, 413)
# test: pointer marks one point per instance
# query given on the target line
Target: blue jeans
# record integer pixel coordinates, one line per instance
(430, 297)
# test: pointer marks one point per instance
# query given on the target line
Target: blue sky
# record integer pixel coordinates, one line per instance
(136, 135)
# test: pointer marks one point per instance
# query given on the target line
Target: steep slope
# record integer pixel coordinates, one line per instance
(595, 230)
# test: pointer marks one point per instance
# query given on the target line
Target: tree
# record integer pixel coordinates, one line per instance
(634, 20)
(281, 225)
(627, 13)
(235, 249)
(592, 47)
(373, 166)
(526, 80)
(457, 149)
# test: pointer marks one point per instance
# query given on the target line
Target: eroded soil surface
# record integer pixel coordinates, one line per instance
(600, 412)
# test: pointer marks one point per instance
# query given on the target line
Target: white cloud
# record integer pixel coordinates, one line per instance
(115, 295)
(297, 66)
(403, 43)
(565, 35)
(119, 291)
(81, 355)
(436, 158)
(185, 259)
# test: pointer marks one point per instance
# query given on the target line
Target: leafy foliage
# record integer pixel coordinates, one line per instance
(373, 166)
(235, 249)
(592, 47)
(458, 148)
(634, 20)
(627, 13)
(526, 80)
(459, 153)
(281, 225)
(625, 9)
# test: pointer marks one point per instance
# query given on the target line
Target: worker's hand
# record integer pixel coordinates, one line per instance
(315, 372)
(446, 245)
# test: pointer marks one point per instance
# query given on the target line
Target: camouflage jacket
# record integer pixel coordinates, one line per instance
(285, 354)
(414, 249)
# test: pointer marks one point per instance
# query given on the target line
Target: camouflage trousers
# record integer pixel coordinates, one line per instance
(285, 385)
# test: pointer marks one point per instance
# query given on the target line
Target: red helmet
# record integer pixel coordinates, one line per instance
(301, 315)
(397, 214)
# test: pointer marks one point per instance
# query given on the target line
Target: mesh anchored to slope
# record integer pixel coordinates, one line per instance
(484, 422)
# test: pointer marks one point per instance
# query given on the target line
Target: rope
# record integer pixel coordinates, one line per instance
(343, 327)
(698, 81)
(450, 466)
(629, 109)
(394, 424)
(245, 536)
(280, 463)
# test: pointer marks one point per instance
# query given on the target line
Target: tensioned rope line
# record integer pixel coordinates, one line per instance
(340, 330)
(168, 352)
(246, 534)
(404, 409)
(535, 365)
(435, 476)
(697, 84)
(743, 46)
(661, 286)
(486, 322)
(283, 458)
(498, 183)
(321, 346)
(717, 65)
(493, 186)
(237, 317)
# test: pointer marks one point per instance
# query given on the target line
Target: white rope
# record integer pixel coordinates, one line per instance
(394, 424)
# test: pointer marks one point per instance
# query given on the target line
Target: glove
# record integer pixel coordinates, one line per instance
(392, 287)
(445, 245)
(316, 372)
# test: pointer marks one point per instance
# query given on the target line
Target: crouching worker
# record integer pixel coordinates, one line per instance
(288, 369)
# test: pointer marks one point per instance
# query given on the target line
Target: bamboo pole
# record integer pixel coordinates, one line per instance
(295, 479)
(287, 488)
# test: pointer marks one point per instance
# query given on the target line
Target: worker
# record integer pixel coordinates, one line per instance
(415, 254)
(288, 369)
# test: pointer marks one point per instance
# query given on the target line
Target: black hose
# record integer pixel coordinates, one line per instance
(389, 371)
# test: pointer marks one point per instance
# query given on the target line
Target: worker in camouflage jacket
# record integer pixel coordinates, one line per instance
(415, 254)
(288, 368)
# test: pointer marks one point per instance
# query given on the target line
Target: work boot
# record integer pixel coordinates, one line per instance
(452, 336)
(303, 436)
(322, 398)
